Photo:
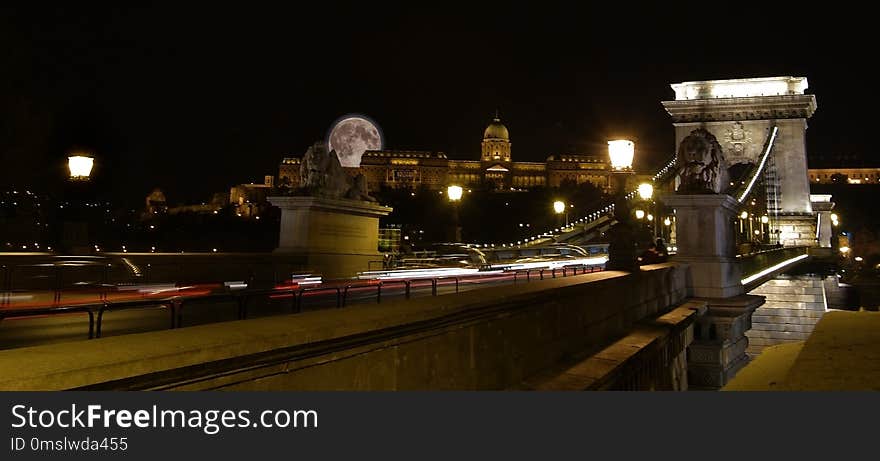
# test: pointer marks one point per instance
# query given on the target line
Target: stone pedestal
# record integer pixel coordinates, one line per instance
(719, 347)
(333, 237)
(706, 242)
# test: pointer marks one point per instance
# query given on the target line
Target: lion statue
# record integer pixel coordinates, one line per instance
(322, 175)
(701, 166)
(358, 189)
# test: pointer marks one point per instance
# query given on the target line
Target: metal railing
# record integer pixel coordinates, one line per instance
(755, 266)
(243, 298)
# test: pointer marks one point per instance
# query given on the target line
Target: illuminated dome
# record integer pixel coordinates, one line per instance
(496, 130)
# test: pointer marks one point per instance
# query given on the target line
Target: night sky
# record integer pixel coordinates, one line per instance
(194, 100)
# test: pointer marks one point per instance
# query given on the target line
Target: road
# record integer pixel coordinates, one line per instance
(18, 332)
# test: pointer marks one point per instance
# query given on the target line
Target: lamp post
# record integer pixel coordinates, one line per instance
(559, 208)
(454, 194)
(764, 221)
(75, 225)
(621, 248)
(646, 193)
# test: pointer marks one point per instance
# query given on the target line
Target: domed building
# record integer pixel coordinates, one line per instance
(496, 142)
(495, 167)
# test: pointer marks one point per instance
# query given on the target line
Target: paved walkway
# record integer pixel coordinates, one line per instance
(842, 354)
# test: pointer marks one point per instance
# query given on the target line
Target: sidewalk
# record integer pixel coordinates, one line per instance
(842, 354)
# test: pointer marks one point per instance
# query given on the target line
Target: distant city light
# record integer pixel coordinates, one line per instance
(667, 221)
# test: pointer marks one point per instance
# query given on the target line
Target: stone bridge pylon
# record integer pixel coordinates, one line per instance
(740, 114)
(759, 123)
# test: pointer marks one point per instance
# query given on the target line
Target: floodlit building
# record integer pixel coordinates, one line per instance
(844, 175)
(412, 169)
(250, 199)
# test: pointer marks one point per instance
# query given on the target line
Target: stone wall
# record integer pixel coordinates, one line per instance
(792, 308)
(492, 338)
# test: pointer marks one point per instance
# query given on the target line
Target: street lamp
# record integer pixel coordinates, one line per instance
(559, 208)
(621, 152)
(78, 191)
(454, 193)
(646, 191)
(621, 247)
(80, 166)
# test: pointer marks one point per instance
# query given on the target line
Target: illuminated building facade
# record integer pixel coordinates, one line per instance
(844, 175)
(495, 168)
(250, 199)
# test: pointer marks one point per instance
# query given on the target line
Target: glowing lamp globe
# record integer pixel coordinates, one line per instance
(558, 206)
(80, 166)
(640, 214)
(621, 152)
(765, 219)
(646, 191)
(454, 193)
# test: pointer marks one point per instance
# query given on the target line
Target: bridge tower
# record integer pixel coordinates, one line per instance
(740, 113)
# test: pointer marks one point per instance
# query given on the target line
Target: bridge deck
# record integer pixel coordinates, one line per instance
(842, 354)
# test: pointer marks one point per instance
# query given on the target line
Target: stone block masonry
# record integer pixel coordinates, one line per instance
(793, 307)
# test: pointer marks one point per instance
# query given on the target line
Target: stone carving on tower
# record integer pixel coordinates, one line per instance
(739, 143)
(322, 175)
(702, 168)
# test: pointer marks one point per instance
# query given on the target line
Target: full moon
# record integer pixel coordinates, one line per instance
(351, 136)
